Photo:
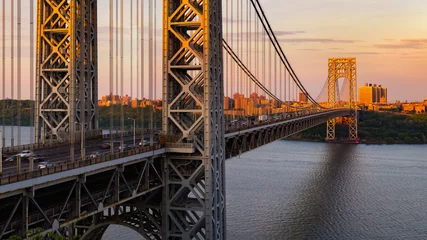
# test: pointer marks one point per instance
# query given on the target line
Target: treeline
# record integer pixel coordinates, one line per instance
(10, 114)
(377, 127)
(129, 113)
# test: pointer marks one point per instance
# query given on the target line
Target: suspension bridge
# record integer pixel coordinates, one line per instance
(226, 87)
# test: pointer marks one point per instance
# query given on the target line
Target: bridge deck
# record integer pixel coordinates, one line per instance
(62, 170)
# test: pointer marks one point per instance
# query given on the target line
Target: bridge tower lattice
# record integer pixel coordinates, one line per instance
(342, 68)
(67, 70)
(193, 100)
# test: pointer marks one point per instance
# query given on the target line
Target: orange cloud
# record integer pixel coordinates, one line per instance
(409, 43)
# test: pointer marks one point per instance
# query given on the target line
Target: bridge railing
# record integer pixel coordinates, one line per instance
(65, 166)
(129, 133)
(272, 119)
(89, 135)
(94, 134)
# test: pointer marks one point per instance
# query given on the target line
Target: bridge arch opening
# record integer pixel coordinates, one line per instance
(115, 230)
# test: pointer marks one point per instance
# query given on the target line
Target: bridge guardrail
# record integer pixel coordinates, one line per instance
(65, 166)
(94, 134)
(90, 135)
(283, 117)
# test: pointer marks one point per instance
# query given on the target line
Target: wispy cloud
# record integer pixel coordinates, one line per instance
(409, 43)
(277, 33)
(316, 40)
(282, 33)
(362, 53)
(310, 49)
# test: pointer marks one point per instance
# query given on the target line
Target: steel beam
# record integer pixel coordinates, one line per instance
(194, 194)
(342, 68)
(63, 69)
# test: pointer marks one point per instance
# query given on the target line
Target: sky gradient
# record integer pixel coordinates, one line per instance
(388, 38)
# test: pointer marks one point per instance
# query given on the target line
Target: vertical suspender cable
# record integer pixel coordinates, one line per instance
(122, 117)
(226, 75)
(12, 68)
(241, 45)
(155, 62)
(275, 77)
(32, 73)
(82, 78)
(264, 72)
(3, 142)
(142, 71)
(137, 60)
(150, 65)
(269, 78)
(111, 76)
(131, 50)
(232, 79)
(117, 97)
(249, 36)
(289, 86)
(256, 52)
(239, 39)
(280, 83)
(18, 114)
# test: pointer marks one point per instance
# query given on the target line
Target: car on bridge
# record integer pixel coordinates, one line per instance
(45, 165)
(105, 146)
(144, 143)
(38, 158)
(25, 154)
(11, 158)
(126, 147)
(95, 155)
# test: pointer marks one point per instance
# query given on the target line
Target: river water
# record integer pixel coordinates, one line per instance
(302, 190)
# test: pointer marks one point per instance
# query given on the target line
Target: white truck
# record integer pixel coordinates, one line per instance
(262, 118)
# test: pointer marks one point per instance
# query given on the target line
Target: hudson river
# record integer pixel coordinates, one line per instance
(302, 190)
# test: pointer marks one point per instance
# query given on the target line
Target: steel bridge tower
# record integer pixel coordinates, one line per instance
(342, 68)
(67, 71)
(193, 121)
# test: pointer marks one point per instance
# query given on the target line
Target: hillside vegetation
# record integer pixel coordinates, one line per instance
(378, 127)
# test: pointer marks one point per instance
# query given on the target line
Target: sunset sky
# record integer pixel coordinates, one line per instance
(388, 38)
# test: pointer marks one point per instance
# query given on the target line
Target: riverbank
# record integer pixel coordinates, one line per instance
(377, 128)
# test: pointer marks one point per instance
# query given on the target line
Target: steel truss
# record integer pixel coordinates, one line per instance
(66, 56)
(247, 141)
(193, 95)
(342, 68)
(85, 205)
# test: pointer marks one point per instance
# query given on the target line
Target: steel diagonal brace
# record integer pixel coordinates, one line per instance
(40, 210)
(90, 195)
(108, 187)
(157, 173)
(126, 183)
(10, 217)
(66, 201)
(142, 175)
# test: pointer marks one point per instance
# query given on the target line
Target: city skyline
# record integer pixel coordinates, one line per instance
(388, 54)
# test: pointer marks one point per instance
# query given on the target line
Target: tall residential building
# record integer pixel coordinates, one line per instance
(372, 94)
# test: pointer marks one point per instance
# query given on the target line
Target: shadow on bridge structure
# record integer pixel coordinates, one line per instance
(175, 188)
